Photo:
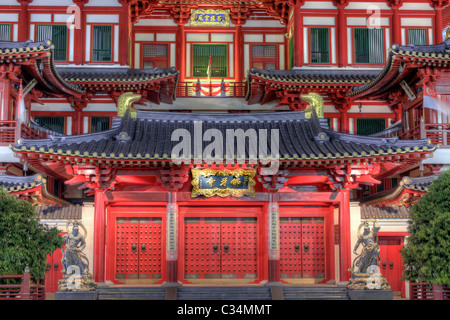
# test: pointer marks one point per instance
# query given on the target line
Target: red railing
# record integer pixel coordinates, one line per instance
(427, 291)
(438, 133)
(211, 89)
(26, 290)
(9, 131)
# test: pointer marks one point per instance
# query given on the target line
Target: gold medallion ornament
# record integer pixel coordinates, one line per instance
(223, 182)
(210, 18)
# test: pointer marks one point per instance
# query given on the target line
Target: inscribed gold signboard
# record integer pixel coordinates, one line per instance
(210, 18)
(223, 182)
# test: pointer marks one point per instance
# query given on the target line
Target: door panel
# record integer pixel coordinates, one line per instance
(220, 248)
(390, 261)
(302, 248)
(138, 248)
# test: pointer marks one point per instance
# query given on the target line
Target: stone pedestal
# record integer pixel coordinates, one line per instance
(79, 295)
(369, 286)
(76, 287)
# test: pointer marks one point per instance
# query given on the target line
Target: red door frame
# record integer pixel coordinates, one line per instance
(128, 211)
(230, 210)
(396, 236)
(327, 213)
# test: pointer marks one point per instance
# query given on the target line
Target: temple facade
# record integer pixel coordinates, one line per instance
(238, 142)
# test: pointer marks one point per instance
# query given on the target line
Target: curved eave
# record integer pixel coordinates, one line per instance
(390, 75)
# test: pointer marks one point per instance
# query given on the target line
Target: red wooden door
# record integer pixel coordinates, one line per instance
(220, 248)
(390, 261)
(302, 248)
(138, 248)
(54, 271)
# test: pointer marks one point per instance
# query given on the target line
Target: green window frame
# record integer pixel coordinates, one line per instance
(417, 37)
(368, 126)
(99, 124)
(57, 34)
(319, 45)
(102, 43)
(57, 124)
(369, 45)
(219, 60)
(5, 32)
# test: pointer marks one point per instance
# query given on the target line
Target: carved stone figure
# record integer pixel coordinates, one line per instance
(75, 263)
(370, 251)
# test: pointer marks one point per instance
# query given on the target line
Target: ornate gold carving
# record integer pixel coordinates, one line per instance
(226, 188)
(124, 103)
(316, 102)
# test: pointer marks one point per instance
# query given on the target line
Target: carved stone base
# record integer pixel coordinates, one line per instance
(368, 281)
(76, 283)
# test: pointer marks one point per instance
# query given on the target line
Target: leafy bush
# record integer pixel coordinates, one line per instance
(426, 256)
(23, 240)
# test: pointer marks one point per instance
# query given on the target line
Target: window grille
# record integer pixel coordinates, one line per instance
(320, 48)
(56, 124)
(417, 37)
(369, 46)
(155, 55)
(101, 43)
(365, 127)
(100, 124)
(219, 60)
(5, 32)
(264, 56)
(57, 34)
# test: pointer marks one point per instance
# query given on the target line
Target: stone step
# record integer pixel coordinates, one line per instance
(131, 293)
(224, 293)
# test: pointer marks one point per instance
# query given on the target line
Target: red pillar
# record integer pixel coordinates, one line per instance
(438, 27)
(181, 49)
(344, 231)
(80, 34)
(298, 33)
(24, 25)
(238, 54)
(172, 237)
(396, 26)
(273, 237)
(99, 236)
(124, 37)
(341, 32)
(5, 105)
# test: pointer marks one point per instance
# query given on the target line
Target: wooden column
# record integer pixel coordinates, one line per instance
(99, 236)
(172, 180)
(438, 6)
(79, 50)
(298, 33)
(341, 42)
(343, 105)
(5, 104)
(238, 54)
(345, 236)
(24, 23)
(181, 49)
(273, 183)
(396, 26)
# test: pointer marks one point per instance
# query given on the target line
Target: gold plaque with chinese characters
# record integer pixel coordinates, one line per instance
(223, 182)
(210, 18)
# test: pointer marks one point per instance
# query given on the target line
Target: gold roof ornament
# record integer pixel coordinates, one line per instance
(124, 103)
(316, 103)
(447, 33)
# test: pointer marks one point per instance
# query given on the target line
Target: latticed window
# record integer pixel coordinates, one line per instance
(417, 37)
(155, 55)
(57, 34)
(101, 43)
(369, 46)
(264, 56)
(100, 124)
(320, 46)
(365, 127)
(56, 124)
(5, 32)
(219, 61)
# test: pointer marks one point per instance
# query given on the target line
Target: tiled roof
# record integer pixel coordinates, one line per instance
(41, 53)
(59, 212)
(430, 55)
(384, 212)
(148, 137)
(15, 183)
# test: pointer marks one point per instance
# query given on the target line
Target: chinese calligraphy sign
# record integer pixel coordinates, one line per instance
(223, 182)
(210, 18)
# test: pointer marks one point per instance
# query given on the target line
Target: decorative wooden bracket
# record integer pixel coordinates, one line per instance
(173, 179)
(92, 178)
